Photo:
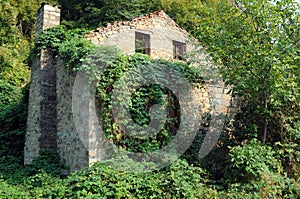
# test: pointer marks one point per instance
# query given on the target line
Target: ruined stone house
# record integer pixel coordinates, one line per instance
(51, 123)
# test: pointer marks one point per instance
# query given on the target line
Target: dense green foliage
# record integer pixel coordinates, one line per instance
(140, 102)
(95, 13)
(14, 75)
(69, 44)
(255, 43)
(260, 61)
(180, 180)
(13, 116)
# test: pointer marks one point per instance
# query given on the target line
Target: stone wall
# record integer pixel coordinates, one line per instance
(48, 103)
(32, 148)
(163, 31)
(161, 28)
(42, 115)
(70, 146)
(62, 115)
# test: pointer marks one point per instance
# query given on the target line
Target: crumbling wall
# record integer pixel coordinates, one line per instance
(53, 122)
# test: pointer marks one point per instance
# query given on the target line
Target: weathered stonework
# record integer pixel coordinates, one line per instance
(70, 147)
(48, 16)
(53, 121)
(42, 115)
(32, 149)
(42, 120)
(161, 28)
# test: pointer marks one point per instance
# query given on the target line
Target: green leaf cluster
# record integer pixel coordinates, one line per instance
(259, 169)
(139, 102)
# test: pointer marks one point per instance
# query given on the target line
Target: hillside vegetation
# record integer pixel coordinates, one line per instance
(258, 48)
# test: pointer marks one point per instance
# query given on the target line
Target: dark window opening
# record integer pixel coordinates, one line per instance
(179, 49)
(142, 43)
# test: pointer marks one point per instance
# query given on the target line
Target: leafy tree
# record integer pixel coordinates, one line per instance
(14, 74)
(14, 47)
(257, 45)
(185, 12)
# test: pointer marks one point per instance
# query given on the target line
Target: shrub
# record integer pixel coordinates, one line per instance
(13, 111)
(258, 170)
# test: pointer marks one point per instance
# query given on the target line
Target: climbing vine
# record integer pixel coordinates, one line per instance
(139, 104)
(68, 44)
(81, 55)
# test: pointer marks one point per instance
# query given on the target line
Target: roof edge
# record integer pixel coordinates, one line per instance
(144, 17)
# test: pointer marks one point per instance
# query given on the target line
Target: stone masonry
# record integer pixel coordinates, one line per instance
(42, 115)
(161, 28)
(48, 16)
(52, 122)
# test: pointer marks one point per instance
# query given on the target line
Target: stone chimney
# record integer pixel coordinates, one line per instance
(48, 16)
(41, 132)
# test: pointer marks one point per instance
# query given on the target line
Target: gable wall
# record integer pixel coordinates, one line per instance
(162, 29)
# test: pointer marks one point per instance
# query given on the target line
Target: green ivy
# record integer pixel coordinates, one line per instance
(139, 102)
(68, 44)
